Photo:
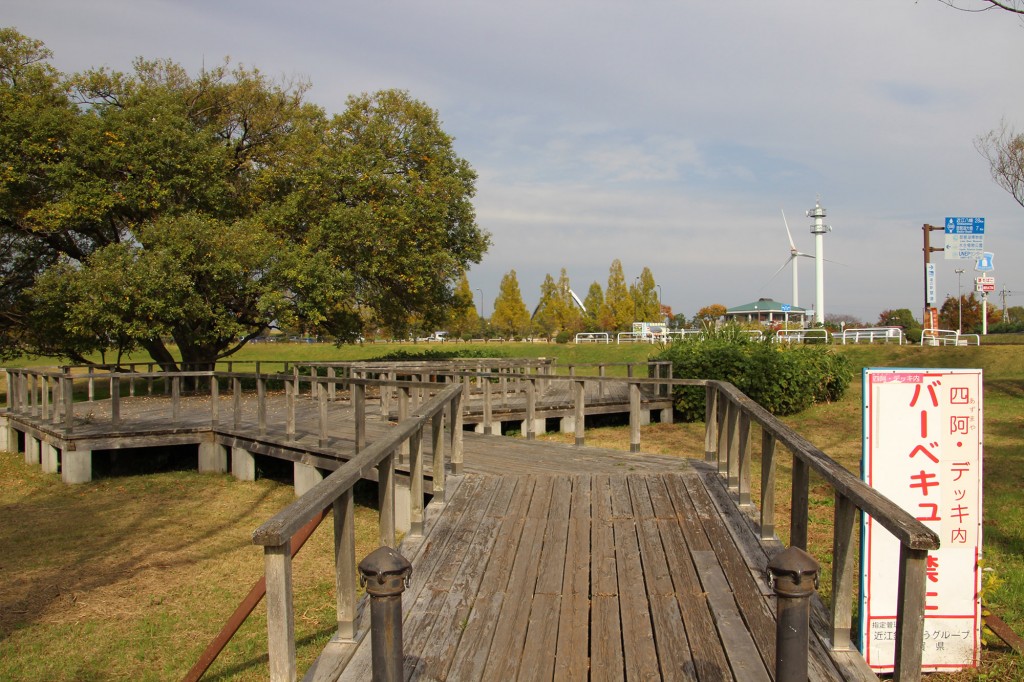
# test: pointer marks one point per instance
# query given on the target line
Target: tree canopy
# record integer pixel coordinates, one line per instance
(1003, 148)
(155, 207)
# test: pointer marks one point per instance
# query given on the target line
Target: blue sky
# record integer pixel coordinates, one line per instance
(666, 134)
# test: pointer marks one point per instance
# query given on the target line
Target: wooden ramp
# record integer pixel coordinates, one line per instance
(576, 577)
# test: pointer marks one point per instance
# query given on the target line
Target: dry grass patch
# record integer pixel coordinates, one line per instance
(130, 578)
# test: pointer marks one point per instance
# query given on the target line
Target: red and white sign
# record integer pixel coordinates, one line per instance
(923, 450)
(985, 284)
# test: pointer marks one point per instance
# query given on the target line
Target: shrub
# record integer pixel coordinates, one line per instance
(564, 336)
(782, 379)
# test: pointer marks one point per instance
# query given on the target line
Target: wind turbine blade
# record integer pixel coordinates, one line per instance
(781, 268)
(792, 246)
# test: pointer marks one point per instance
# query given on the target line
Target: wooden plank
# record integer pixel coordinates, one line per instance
(759, 620)
(606, 658)
(474, 646)
(673, 648)
(572, 659)
(454, 601)
(506, 653)
(542, 633)
(744, 660)
(641, 658)
(709, 660)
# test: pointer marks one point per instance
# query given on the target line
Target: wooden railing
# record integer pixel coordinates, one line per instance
(336, 492)
(728, 419)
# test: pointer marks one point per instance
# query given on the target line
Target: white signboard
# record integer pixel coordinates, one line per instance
(965, 238)
(930, 279)
(923, 450)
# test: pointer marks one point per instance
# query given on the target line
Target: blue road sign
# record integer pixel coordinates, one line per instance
(985, 263)
(965, 238)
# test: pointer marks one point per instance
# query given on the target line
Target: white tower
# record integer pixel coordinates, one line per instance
(818, 229)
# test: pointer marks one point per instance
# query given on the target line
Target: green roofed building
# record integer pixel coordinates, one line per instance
(768, 311)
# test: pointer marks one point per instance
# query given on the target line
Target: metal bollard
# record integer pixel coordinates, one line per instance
(385, 574)
(793, 574)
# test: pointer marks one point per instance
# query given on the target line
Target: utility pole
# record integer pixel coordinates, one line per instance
(928, 250)
(959, 302)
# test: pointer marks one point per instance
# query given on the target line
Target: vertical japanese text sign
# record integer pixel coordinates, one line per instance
(923, 450)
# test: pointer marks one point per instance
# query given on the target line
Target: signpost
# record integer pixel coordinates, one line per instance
(985, 284)
(965, 238)
(922, 449)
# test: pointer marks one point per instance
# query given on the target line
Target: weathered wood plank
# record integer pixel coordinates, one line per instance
(606, 658)
(740, 649)
(572, 660)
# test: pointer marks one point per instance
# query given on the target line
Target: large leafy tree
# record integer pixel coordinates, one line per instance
(645, 296)
(545, 317)
(153, 206)
(464, 319)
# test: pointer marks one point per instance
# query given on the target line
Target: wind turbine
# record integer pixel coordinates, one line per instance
(794, 253)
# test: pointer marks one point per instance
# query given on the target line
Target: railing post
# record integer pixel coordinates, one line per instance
(416, 483)
(261, 404)
(236, 400)
(722, 451)
(92, 384)
(345, 563)
(331, 386)
(291, 388)
(767, 485)
(634, 417)
(798, 509)
(437, 447)
(403, 414)
(359, 407)
(734, 447)
(844, 550)
(531, 408)
(321, 393)
(743, 489)
(280, 612)
(487, 406)
(910, 607)
(456, 428)
(580, 403)
(214, 399)
(386, 499)
(793, 574)
(115, 401)
(175, 398)
(44, 397)
(385, 572)
(69, 403)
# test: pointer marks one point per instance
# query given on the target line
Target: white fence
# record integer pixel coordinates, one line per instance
(870, 335)
(948, 337)
(593, 337)
(801, 335)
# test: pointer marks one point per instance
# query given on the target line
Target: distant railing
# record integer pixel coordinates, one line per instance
(870, 335)
(948, 337)
(813, 335)
(592, 337)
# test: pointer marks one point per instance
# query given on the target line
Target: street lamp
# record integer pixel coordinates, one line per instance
(661, 310)
(481, 292)
(959, 302)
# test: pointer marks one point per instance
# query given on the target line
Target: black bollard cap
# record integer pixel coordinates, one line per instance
(384, 570)
(786, 572)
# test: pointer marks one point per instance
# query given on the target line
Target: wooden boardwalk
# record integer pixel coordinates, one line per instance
(576, 577)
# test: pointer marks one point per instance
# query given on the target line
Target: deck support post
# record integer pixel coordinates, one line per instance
(213, 457)
(5, 429)
(32, 448)
(580, 402)
(384, 572)
(305, 476)
(243, 464)
(49, 458)
(76, 466)
(793, 574)
(635, 419)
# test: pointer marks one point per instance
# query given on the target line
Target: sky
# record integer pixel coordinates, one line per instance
(665, 133)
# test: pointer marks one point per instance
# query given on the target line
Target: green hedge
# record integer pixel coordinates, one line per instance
(782, 379)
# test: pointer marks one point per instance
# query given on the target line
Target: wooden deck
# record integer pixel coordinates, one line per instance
(576, 577)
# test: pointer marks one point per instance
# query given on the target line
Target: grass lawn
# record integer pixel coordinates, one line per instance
(129, 577)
